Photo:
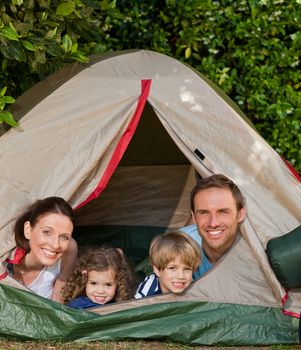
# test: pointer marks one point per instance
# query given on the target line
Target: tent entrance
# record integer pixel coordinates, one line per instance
(151, 144)
(148, 193)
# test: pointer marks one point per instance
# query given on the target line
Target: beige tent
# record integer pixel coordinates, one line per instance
(120, 138)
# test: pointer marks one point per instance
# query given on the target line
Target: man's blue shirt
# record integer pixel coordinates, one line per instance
(206, 265)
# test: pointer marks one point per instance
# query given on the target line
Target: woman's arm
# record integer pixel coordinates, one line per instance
(68, 261)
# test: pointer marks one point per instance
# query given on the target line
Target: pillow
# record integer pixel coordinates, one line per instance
(284, 254)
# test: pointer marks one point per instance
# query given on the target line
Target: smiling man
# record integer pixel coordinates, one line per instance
(217, 208)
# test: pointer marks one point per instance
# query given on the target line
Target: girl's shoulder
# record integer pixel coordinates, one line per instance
(84, 302)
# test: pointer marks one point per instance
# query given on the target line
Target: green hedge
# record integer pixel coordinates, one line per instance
(250, 49)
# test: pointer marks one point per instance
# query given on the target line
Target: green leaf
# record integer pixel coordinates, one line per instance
(28, 45)
(13, 52)
(65, 9)
(53, 49)
(7, 99)
(3, 91)
(74, 48)
(44, 16)
(17, 2)
(40, 56)
(275, 134)
(9, 33)
(51, 33)
(187, 52)
(80, 57)
(44, 4)
(11, 25)
(8, 118)
(66, 43)
(298, 113)
(24, 28)
(112, 4)
(4, 64)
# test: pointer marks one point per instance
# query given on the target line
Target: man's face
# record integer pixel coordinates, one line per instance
(217, 219)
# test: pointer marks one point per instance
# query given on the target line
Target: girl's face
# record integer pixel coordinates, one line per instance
(101, 286)
(48, 238)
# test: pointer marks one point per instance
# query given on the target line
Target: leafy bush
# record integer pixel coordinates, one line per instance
(250, 49)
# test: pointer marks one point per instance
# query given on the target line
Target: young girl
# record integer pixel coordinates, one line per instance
(102, 275)
(46, 251)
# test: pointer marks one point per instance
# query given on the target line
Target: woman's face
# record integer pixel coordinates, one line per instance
(48, 238)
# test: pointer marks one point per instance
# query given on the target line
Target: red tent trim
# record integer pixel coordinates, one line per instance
(292, 169)
(19, 253)
(4, 275)
(122, 144)
(285, 311)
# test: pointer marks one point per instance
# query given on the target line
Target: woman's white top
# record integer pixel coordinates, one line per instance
(43, 284)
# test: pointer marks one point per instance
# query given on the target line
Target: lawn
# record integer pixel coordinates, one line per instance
(126, 345)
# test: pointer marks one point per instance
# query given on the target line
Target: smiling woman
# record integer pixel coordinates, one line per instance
(48, 252)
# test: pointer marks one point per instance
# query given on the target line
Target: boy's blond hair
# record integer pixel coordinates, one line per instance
(168, 246)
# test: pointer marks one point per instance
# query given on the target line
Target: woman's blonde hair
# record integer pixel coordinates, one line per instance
(168, 246)
(101, 259)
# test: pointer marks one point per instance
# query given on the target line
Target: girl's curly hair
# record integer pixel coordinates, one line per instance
(101, 259)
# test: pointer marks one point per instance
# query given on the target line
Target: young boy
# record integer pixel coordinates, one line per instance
(174, 257)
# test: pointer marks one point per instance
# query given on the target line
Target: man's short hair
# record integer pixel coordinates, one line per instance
(168, 246)
(218, 181)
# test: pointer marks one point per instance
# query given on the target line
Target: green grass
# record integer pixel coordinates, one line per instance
(125, 345)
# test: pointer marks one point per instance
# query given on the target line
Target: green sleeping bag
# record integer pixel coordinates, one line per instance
(284, 254)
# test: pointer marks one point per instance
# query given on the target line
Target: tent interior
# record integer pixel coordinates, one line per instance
(148, 193)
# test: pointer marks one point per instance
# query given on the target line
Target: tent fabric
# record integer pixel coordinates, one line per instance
(164, 202)
(196, 323)
(285, 258)
(71, 138)
(122, 144)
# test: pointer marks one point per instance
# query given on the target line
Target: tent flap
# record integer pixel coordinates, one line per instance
(29, 317)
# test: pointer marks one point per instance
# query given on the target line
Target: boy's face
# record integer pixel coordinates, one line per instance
(175, 278)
